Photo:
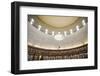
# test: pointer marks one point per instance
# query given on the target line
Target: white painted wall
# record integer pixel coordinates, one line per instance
(5, 41)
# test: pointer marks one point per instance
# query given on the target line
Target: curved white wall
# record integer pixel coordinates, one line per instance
(40, 39)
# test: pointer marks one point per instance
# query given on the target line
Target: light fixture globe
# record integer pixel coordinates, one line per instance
(59, 37)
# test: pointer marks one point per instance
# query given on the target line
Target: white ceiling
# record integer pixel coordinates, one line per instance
(40, 39)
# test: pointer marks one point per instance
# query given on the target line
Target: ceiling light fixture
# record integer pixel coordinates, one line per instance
(71, 31)
(77, 28)
(39, 27)
(46, 31)
(65, 33)
(59, 36)
(83, 22)
(32, 21)
(52, 33)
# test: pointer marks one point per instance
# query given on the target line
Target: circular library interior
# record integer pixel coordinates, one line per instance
(53, 37)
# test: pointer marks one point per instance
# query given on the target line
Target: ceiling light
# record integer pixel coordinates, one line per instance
(83, 22)
(71, 31)
(52, 33)
(59, 36)
(65, 33)
(32, 21)
(77, 28)
(39, 27)
(46, 31)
